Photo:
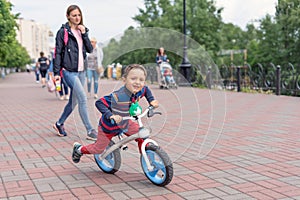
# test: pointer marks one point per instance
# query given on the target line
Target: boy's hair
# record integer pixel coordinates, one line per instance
(134, 66)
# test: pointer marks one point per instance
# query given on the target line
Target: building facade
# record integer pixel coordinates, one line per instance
(35, 38)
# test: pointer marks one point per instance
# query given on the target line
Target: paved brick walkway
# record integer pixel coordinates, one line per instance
(224, 145)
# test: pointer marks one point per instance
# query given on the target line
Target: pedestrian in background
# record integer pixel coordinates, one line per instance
(43, 65)
(70, 58)
(28, 68)
(161, 56)
(37, 73)
(94, 65)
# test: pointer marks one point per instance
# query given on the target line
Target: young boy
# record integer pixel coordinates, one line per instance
(115, 106)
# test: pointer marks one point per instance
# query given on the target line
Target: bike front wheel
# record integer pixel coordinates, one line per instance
(162, 172)
(111, 163)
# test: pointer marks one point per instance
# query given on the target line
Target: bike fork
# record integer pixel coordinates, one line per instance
(143, 152)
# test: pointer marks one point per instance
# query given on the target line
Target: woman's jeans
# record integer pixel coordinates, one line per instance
(92, 74)
(64, 87)
(75, 80)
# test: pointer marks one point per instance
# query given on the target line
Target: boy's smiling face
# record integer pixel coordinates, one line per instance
(135, 80)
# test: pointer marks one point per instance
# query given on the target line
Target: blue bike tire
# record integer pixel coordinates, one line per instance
(162, 173)
(111, 163)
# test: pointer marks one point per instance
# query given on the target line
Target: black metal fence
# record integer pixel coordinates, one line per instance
(275, 79)
(279, 80)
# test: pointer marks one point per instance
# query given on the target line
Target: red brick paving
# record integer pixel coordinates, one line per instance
(224, 145)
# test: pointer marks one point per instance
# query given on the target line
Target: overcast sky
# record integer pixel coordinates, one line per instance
(107, 19)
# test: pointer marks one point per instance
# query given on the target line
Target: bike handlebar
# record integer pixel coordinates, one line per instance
(149, 112)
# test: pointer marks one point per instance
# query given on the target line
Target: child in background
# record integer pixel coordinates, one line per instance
(169, 76)
(116, 106)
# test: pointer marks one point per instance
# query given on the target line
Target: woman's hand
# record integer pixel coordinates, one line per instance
(57, 78)
(81, 28)
(117, 118)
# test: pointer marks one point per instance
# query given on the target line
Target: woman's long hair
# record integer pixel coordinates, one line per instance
(159, 53)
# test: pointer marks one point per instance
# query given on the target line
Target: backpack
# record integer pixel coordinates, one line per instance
(66, 38)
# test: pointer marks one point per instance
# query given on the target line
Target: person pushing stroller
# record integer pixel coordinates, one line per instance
(165, 74)
(161, 56)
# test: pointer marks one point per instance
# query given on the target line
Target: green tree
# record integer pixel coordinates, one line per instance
(251, 44)
(7, 20)
(279, 37)
(204, 23)
(232, 38)
(165, 17)
(12, 54)
(7, 30)
(275, 40)
(203, 20)
(18, 55)
(288, 21)
(269, 42)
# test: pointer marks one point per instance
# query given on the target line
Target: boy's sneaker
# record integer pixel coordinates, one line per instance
(76, 153)
(92, 135)
(60, 130)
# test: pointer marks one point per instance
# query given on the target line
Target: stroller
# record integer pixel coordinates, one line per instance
(165, 76)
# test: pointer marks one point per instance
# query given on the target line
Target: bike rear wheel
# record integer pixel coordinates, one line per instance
(111, 163)
(162, 172)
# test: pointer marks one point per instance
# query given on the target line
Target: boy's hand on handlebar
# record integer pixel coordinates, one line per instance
(116, 118)
(154, 103)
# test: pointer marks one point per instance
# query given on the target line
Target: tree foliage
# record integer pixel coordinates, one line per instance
(12, 54)
(287, 19)
(278, 36)
(203, 19)
(273, 39)
(276, 39)
(161, 25)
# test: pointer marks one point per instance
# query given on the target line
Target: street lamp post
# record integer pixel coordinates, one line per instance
(185, 65)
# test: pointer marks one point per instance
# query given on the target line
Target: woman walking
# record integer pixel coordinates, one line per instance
(72, 44)
(94, 61)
